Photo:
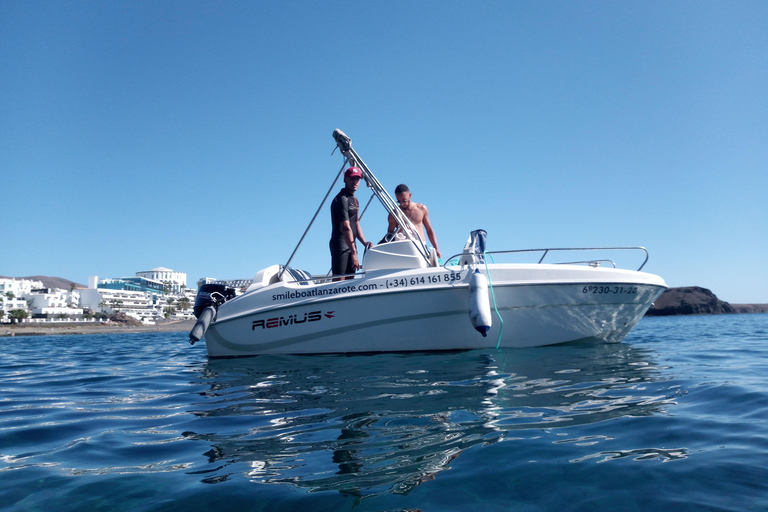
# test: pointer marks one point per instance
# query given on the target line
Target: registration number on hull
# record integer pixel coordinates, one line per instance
(612, 289)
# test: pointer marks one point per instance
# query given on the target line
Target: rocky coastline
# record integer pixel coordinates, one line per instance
(695, 300)
(93, 328)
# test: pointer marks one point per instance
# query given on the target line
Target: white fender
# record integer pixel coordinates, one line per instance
(479, 305)
(198, 331)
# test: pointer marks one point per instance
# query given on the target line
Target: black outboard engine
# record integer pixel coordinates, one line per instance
(209, 298)
(203, 298)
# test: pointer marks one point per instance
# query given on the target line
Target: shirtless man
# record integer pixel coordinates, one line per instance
(417, 213)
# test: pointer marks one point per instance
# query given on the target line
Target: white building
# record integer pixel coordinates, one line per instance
(32, 296)
(55, 302)
(18, 287)
(12, 295)
(143, 297)
(176, 280)
(110, 301)
(145, 302)
(7, 305)
(234, 283)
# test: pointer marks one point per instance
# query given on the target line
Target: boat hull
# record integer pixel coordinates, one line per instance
(427, 310)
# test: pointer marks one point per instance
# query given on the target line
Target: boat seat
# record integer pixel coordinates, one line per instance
(269, 276)
(294, 274)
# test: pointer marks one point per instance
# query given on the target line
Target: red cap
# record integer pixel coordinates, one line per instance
(353, 171)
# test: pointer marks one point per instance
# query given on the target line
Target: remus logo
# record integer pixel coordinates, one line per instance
(271, 323)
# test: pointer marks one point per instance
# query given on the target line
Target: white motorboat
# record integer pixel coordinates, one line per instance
(403, 300)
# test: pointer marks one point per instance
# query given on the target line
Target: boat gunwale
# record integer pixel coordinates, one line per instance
(458, 285)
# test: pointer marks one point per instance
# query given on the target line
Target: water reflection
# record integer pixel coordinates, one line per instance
(365, 425)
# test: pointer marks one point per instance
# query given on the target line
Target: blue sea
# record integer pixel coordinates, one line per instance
(674, 418)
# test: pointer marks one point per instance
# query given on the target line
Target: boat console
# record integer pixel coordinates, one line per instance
(397, 255)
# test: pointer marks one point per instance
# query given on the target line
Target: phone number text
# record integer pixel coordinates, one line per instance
(404, 282)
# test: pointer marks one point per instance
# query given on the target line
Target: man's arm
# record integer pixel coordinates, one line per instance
(349, 239)
(361, 237)
(430, 232)
(391, 223)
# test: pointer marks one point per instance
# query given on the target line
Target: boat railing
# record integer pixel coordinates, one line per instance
(545, 252)
(319, 279)
(322, 279)
(591, 263)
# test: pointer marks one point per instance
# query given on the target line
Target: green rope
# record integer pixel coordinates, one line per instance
(493, 297)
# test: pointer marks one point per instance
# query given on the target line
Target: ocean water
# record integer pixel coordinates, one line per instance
(673, 418)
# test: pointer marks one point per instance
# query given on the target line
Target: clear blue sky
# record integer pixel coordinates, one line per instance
(197, 135)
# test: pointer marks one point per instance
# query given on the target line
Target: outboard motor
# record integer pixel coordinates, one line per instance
(203, 298)
(474, 248)
(209, 298)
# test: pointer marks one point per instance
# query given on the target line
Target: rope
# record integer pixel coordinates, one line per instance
(493, 297)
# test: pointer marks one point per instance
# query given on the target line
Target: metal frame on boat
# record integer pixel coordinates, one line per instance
(402, 300)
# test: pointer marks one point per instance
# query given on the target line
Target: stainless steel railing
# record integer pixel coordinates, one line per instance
(562, 249)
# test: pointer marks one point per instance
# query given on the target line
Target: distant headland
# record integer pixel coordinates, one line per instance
(694, 300)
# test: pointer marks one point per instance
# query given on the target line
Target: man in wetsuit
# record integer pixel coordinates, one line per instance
(346, 227)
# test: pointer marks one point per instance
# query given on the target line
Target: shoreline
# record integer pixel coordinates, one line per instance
(12, 330)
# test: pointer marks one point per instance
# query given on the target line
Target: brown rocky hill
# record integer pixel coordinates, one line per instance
(51, 282)
(694, 300)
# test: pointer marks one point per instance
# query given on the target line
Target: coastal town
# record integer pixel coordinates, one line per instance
(147, 298)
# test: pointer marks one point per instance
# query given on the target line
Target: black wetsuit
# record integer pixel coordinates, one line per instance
(343, 207)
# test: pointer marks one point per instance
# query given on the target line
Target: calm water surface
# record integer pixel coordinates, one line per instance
(674, 418)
